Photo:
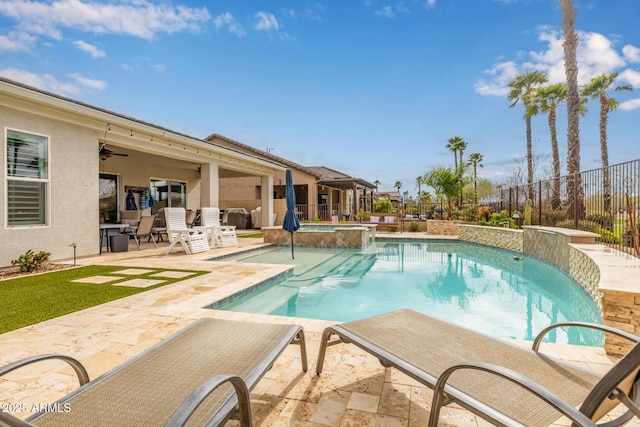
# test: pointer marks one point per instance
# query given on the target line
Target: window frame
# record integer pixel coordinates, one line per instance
(46, 181)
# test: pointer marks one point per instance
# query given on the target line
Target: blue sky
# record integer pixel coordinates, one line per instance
(372, 88)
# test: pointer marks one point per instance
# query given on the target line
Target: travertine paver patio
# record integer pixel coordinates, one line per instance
(354, 389)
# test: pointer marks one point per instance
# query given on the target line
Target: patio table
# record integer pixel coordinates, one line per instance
(104, 232)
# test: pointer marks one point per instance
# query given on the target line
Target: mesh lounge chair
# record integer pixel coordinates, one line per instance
(498, 381)
(193, 240)
(166, 384)
(219, 235)
(143, 229)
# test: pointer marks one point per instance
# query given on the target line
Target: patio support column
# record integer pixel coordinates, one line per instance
(266, 193)
(209, 185)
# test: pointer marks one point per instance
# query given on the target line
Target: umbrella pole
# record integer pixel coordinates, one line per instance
(292, 257)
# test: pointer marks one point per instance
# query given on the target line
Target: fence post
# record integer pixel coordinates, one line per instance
(539, 202)
(575, 200)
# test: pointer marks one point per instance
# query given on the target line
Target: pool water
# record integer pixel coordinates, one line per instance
(490, 290)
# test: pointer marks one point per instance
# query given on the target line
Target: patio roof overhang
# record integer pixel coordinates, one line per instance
(348, 183)
(129, 133)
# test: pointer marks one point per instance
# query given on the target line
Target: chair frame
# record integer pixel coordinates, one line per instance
(219, 235)
(193, 240)
(444, 394)
(290, 334)
(147, 230)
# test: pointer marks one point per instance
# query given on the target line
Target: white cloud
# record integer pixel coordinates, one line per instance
(430, 4)
(88, 83)
(16, 41)
(51, 84)
(227, 20)
(90, 49)
(266, 22)
(138, 18)
(630, 76)
(386, 11)
(501, 74)
(630, 105)
(631, 53)
(596, 55)
(142, 63)
(312, 13)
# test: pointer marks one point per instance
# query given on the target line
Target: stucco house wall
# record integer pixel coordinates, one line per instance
(72, 214)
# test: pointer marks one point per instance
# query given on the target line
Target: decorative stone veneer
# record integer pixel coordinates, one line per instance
(504, 238)
(609, 276)
(340, 237)
(439, 227)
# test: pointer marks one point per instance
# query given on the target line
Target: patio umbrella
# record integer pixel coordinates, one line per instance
(291, 222)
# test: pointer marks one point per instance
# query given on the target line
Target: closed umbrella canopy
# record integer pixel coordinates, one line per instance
(291, 222)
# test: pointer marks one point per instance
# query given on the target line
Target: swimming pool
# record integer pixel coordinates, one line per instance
(483, 288)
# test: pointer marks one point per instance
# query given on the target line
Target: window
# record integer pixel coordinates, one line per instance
(27, 178)
(169, 193)
(108, 198)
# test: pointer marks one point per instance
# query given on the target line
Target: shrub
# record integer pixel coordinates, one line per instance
(30, 261)
(316, 218)
(382, 206)
(606, 236)
(500, 219)
(604, 220)
(552, 218)
(414, 226)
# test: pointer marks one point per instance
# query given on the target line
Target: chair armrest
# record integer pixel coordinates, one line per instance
(191, 403)
(514, 377)
(81, 372)
(8, 420)
(605, 328)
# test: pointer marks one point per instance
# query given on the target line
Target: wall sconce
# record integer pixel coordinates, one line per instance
(279, 181)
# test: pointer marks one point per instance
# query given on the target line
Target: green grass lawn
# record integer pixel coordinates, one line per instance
(28, 300)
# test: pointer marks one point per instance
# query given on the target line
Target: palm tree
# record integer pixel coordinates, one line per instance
(570, 45)
(597, 88)
(448, 183)
(475, 159)
(523, 88)
(547, 100)
(397, 185)
(455, 145)
(376, 183)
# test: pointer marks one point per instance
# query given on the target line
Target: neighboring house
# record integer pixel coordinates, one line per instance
(320, 191)
(69, 166)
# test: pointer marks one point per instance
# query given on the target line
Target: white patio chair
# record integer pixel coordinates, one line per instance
(193, 240)
(219, 235)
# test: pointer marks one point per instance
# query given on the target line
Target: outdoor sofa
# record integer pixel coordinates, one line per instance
(214, 362)
(504, 383)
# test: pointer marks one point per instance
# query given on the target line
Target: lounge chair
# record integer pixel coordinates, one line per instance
(143, 229)
(166, 384)
(219, 235)
(501, 382)
(193, 240)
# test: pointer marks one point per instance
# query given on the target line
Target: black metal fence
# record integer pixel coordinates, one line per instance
(604, 201)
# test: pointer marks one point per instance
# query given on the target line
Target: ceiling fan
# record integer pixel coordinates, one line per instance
(105, 153)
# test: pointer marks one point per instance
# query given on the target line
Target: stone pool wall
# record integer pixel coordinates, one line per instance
(503, 238)
(609, 276)
(547, 244)
(340, 237)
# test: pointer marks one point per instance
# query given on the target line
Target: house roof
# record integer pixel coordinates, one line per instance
(103, 119)
(324, 175)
